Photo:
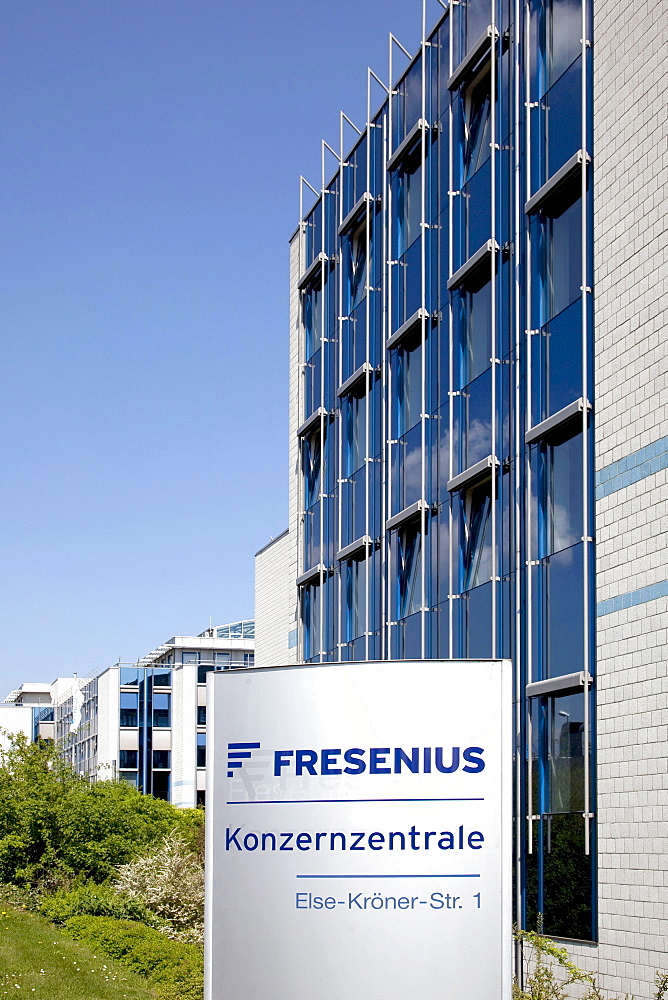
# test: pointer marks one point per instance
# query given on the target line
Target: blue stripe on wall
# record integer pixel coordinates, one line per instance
(642, 596)
(632, 469)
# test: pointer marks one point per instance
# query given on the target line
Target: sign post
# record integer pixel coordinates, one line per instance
(359, 832)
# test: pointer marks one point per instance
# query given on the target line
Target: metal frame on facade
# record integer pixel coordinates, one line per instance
(435, 316)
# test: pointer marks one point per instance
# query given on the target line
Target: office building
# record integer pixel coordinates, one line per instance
(145, 722)
(477, 384)
(39, 699)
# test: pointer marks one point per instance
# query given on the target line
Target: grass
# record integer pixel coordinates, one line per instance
(38, 960)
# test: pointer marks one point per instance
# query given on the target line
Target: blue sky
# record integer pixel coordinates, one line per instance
(150, 161)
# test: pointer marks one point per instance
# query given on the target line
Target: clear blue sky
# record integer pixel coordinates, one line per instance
(150, 158)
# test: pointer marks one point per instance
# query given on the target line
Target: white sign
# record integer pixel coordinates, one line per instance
(359, 832)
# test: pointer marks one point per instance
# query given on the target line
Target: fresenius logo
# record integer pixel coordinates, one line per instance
(237, 754)
(359, 760)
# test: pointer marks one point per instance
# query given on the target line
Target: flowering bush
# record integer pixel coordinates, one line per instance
(170, 882)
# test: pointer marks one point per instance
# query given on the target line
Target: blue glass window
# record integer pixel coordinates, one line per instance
(311, 613)
(162, 677)
(556, 30)
(407, 194)
(313, 233)
(161, 709)
(353, 582)
(129, 676)
(407, 102)
(556, 258)
(475, 329)
(201, 749)
(476, 109)
(556, 126)
(476, 509)
(189, 656)
(221, 659)
(409, 562)
(407, 469)
(129, 715)
(354, 432)
(201, 715)
(556, 363)
(312, 305)
(563, 894)
(407, 383)
(355, 175)
(356, 265)
(471, 19)
(162, 759)
(557, 469)
(128, 759)
(312, 466)
(202, 670)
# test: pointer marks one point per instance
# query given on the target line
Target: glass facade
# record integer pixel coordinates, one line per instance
(446, 400)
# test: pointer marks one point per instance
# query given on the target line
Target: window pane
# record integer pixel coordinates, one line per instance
(129, 709)
(563, 259)
(312, 316)
(353, 581)
(201, 750)
(477, 536)
(565, 493)
(476, 126)
(407, 638)
(189, 656)
(162, 758)
(128, 759)
(311, 621)
(313, 384)
(162, 677)
(472, 413)
(129, 676)
(354, 433)
(312, 536)
(564, 31)
(407, 469)
(409, 559)
(556, 363)
(564, 612)
(476, 606)
(161, 709)
(407, 379)
(565, 753)
(311, 467)
(475, 332)
(160, 785)
(355, 251)
(567, 877)
(202, 671)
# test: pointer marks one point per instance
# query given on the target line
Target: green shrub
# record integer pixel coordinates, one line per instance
(96, 901)
(174, 968)
(57, 829)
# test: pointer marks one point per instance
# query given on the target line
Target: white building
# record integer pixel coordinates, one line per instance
(145, 722)
(15, 720)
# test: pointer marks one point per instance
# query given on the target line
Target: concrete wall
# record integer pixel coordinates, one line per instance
(184, 739)
(275, 603)
(107, 724)
(631, 362)
(14, 719)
